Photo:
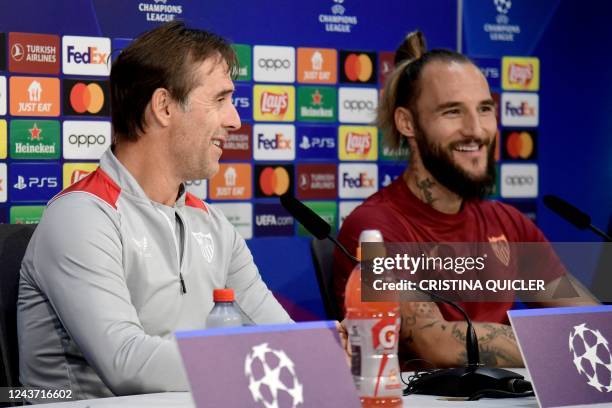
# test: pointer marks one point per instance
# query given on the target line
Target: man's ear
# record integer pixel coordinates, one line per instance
(160, 106)
(404, 121)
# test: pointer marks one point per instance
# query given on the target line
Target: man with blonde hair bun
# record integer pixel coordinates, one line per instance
(439, 104)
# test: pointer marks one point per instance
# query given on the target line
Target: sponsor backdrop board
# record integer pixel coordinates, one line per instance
(306, 94)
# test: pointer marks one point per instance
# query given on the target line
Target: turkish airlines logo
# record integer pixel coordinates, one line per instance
(357, 180)
(86, 98)
(358, 67)
(34, 53)
(357, 105)
(237, 144)
(86, 55)
(85, 140)
(274, 64)
(274, 103)
(274, 142)
(316, 181)
(520, 109)
(519, 180)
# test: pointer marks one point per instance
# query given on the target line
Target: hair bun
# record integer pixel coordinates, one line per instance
(413, 47)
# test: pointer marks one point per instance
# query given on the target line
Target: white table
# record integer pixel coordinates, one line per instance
(183, 400)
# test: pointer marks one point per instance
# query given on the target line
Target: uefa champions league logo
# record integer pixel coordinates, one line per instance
(502, 6)
(272, 379)
(592, 357)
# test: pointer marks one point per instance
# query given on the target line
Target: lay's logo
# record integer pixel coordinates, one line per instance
(521, 73)
(358, 143)
(274, 103)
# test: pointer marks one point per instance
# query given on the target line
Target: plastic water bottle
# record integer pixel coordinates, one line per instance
(224, 313)
(373, 329)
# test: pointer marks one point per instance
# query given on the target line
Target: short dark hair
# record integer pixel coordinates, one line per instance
(164, 57)
(403, 86)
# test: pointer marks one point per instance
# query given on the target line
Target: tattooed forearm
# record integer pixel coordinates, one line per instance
(492, 332)
(425, 187)
(493, 357)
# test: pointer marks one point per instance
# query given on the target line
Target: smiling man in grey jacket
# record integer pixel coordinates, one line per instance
(125, 257)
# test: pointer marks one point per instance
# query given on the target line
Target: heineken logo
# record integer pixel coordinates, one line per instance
(34, 139)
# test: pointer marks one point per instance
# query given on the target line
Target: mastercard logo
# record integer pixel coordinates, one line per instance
(274, 181)
(87, 98)
(519, 145)
(358, 67)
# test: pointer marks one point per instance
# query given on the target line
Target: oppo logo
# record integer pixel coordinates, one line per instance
(358, 105)
(86, 140)
(274, 63)
(519, 180)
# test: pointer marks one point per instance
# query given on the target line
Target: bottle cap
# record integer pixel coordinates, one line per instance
(223, 295)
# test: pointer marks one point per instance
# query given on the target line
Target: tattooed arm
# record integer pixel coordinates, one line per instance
(429, 336)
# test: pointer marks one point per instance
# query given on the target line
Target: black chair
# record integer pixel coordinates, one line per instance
(323, 255)
(13, 243)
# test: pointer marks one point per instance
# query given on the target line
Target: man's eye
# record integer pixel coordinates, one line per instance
(487, 108)
(451, 112)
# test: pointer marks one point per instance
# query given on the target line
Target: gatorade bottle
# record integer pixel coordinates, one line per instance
(373, 329)
(224, 313)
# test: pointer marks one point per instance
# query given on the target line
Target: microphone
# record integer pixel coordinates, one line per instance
(573, 215)
(456, 382)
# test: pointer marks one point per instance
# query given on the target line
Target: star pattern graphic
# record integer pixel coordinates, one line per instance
(590, 357)
(35, 132)
(317, 98)
(271, 377)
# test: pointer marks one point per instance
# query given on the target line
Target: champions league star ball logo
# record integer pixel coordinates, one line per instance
(592, 357)
(272, 378)
(502, 6)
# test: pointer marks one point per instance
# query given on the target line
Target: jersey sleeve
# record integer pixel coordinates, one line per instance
(78, 265)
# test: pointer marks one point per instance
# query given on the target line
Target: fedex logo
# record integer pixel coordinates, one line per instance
(90, 56)
(520, 109)
(277, 143)
(357, 180)
(86, 55)
(274, 142)
(362, 180)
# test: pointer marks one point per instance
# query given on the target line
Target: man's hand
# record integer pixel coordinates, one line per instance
(343, 334)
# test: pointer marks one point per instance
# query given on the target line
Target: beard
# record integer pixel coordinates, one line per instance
(439, 162)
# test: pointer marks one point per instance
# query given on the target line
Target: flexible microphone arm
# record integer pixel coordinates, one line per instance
(573, 215)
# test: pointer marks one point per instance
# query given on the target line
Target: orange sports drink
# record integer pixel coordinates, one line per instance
(373, 329)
